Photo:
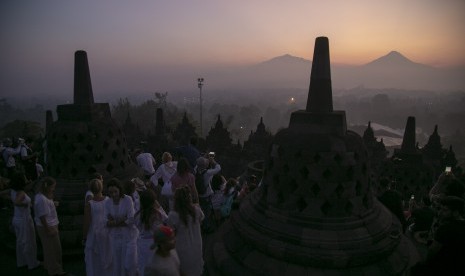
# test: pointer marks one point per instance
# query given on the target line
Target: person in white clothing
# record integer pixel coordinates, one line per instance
(8, 155)
(89, 195)
(47, 222)
(129, 188)
(207, 168)
(26, 246)
(147, 162)
(119, 215)
(165, 171)
(151, 216)
(164, 261)
(39, 169)
(97, 252)
(185, 219)
(28, 159)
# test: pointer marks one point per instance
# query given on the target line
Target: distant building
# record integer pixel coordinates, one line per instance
(218, 138)
(256, 147)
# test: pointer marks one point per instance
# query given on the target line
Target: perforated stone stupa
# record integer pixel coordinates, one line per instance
(85, 139)
(82, 141)
(315, 213)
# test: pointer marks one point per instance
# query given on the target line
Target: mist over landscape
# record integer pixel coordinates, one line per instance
(385, 91)
(253, 64)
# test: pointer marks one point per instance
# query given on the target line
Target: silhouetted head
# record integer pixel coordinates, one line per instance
(115, 188)
(147, 199)
(202, 163)
(183, 166)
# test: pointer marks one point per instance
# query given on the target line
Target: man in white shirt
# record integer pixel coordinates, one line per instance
(147, 162)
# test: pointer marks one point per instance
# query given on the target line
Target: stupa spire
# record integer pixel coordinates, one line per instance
(48, 119)
(320, 98)
(408, 143)
(83, 94)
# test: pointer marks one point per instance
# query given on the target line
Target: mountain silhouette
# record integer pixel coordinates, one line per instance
(391, 58)
(395, 59)
(392, 70)
(285, 60)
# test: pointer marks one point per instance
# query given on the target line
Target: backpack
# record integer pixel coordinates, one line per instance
(200, 183)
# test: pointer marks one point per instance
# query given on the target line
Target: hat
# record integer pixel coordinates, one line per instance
(161, 234)
(202, 163)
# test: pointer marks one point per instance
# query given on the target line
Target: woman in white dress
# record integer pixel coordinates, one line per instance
(165, 171)
(151, 216)
(119, 215)
(89, 195)
(185, 219)
(46, 219)
(97, 252)
(26, 246)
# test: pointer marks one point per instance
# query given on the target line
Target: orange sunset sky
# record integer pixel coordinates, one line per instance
(232, 32)
(139, 37)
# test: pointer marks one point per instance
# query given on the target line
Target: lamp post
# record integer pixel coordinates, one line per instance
(200, 84)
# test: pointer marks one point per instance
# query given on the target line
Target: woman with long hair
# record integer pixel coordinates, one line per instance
(184, 177)
(119, 215)
(97, 252)
(185, 219)
(26, 246)
(151, 216)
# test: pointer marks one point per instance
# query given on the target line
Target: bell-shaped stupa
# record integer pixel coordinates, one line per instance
(314, 213)
(84, 140)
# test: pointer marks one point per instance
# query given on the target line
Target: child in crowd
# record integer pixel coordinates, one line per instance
(165, 260)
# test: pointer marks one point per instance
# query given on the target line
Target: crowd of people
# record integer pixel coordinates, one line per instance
(155, 225)
(156, 228)
(435, 222)
(149, 226)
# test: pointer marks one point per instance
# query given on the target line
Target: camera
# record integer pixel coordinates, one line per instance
(211, 154)
(448, 169)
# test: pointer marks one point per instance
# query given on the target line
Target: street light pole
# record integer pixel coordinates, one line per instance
(200, 84)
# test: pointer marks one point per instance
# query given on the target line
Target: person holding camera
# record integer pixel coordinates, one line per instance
(204, 171)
